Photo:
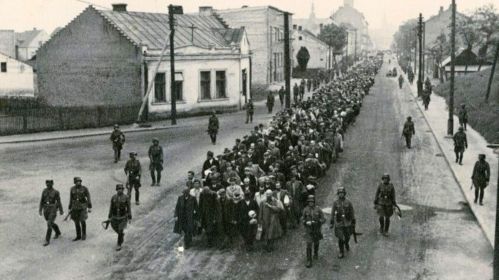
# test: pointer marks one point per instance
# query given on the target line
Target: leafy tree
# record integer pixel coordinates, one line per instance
(404, 41)
(335, 36)
(439, 50)
(487, 23)
(303, 57)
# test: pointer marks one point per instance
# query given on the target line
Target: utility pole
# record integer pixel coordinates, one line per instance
(420, 39)
(496, 236)
(416, 51)
(171, 11)
(287, 60)
(492, 71)
(450, 122)
(424, 48)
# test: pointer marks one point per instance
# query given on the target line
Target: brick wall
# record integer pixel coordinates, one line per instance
(89, 63)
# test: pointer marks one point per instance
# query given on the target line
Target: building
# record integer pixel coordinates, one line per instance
(108, 57)
(439, 24)
(466, 62)
(312, 23)
(265, 27)
(318, 50)
(359, 40)
(16, 77)
(8, 42)
(28, 42)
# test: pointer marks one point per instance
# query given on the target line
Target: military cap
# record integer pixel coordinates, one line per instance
(133, 153)
(76, 179)
(155, 140)
(49, 181)
(221, 191)
(461, 128)
(116, 126)
(409, 118)
(481, 156)
(210, 153)
(341, 190)
(386, 176)
(310, 198)
(119, 186)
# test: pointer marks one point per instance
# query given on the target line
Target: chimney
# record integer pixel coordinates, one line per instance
(441, 10)
(206, 11)
(295, 26)
(299, 28)
(119, 7)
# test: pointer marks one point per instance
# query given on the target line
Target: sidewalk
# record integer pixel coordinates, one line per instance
(436, 117)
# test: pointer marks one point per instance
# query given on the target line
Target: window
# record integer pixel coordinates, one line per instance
(300, 38)
(221, 82)
(205, 85)
(3, 67)
(159, 88)
(179, 86)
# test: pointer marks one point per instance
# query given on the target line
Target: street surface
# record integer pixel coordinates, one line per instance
(437, 237)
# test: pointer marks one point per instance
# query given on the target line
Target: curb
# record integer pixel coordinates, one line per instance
(477, 218)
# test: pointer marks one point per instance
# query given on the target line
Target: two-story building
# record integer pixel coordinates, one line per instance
(318, 50)
(16, 77)
(108, 58)
(28, 42)
(265, 27)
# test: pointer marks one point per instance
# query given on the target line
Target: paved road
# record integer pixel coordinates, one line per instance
(437, 239)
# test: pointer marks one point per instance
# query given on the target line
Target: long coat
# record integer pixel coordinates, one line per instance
(268, 218)
(316, 217)
(343, 218)
(186, 212)
(210, 212)
(119, 212)
(213, 124)
(385, 199)
(243, 210)
(79, 202)
(481, 174)
(50, 203)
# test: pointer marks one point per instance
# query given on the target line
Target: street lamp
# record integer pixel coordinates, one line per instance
(496, 235)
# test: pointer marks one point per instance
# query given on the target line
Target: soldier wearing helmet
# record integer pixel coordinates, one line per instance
(384, 202)
(460, 144)
(79, 205)
(313, 218)
(408, 131)
(343, 221)
(118, 139)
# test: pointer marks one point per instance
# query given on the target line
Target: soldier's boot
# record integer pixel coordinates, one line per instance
(78, 231)
(137, 194)
(120, 240)
(316, 251)
(309, 257)
(341, 245)
(153, 177)
(476, 194)
(47, 236)
(387, 226)
(158, 179)
(83, 230)
(347, 246)
(57, 231)
(481, 196)
(381, 224)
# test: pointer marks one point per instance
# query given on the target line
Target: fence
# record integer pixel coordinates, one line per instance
(33, 117)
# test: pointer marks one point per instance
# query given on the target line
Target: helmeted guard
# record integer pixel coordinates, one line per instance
(250, 110)
(118, 139)
(480, 177)
(156, 161)
(401, 81)
(384, 202)
(313, 218)
(79, 206)
(460, 144)
(463, 116)
(408, 131)
(343, 220)
(49, 204)
(133, 170)
(120, 213)
(213, 126)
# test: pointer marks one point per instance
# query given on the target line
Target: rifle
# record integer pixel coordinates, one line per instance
(67, 216)
(355, 233)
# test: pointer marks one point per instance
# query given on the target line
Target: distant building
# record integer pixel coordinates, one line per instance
(28, 42)
(8, 42)
(265, 27)
(439, 24)
(359, 37)
(16, 77)
(466, 62)
(318, 50)
(108, 57)
(312, 23)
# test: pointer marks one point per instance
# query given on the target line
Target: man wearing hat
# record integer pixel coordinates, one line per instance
(79, 203)
(268, 219)
(480, 177)
(118, 139)
(408, 131)
(213, 127)
(208, 163)
(210, 214)
(120, 213)
(384, 202)
(186, 217)
(49, 204)
(343, 220)
(248, 209)
(460, 144)
(313, 218)
(156, 161)
(133, 170)
(250, 109)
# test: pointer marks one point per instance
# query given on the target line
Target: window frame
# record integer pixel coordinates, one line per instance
(155, 100)
(3, 67)
(225, 83)
(182, 82)
(200, 95)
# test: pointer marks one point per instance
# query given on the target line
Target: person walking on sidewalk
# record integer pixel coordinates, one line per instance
(313, 219)
(133, 171)
(155, 162)
(281, 95)
(460, 144)
(120, 213)
(463, 116)
(426, 99)
(270, 101)
(401, 81)
(118, 139)
(384, 202)
(213, 127)
(250, 109)
(49, 204)
(343, 221)
(408, 131)
(480, 177)
(79, 207)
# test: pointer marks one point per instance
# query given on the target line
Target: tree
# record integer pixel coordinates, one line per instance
(333, 35)
(439, 50)
(467, 28)
(404, 41)
(303, 56)
(487, 23)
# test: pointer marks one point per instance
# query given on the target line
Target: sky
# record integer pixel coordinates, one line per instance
(21, 15)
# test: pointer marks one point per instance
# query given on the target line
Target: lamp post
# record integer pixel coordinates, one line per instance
(496, 235)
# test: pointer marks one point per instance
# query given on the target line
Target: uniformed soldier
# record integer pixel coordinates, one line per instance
(118, 139)
(156, 161)
(426, 99)
(270, 101)
(213, 127)
(49, 204)
(401, 81)
(133, 170)
(480, 177)
(463, 116)
(384, 202)
(281, 95)
(79, 206)
(343, 221)
(408, 131)
(120, 213)
(250, 109)
(313, 218)
(460, 144)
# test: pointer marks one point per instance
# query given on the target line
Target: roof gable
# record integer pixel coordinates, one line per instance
(24, 39)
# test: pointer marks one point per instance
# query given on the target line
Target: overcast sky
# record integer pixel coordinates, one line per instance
(49, 14)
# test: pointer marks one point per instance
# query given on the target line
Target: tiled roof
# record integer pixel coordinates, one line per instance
(24, 38)
(152, 29)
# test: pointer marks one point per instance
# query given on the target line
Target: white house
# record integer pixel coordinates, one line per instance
(318, 50)
(16, 77)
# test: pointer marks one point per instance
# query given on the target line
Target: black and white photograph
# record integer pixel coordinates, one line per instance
(249, 139)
